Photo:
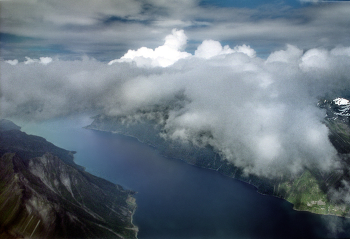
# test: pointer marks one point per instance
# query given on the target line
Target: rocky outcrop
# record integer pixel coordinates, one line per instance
(46, 197)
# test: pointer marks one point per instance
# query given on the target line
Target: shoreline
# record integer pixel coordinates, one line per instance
(246, 182)
(133, 203)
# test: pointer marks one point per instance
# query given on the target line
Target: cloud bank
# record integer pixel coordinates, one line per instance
(107, 29)
(261, 114)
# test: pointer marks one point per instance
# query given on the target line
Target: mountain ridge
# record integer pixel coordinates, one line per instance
(48, 197)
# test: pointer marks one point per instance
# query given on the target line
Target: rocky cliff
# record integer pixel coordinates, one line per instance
(44, 194)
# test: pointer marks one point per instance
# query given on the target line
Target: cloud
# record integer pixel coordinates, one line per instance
(12, 62)
(41, 60)
(310, 1)
(107, 29)
(163, 56)
(169, 53)
(210, 48)
(290, 55)
(260, 114)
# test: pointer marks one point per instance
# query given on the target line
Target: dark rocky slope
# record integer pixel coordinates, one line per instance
(44, 194)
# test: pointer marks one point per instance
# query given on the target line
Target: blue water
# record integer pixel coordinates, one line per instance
(177, 200)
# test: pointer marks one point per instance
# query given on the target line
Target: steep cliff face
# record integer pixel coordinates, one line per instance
(46, 197)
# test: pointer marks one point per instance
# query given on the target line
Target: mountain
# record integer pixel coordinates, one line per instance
(44, 194)
(341, 107)
(310, 190)
(338, 121)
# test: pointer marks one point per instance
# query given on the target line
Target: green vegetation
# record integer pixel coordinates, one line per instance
(340, 134)
(340, 128)
(306, 195)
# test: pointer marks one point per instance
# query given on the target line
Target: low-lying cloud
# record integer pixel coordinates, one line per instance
(261, 114)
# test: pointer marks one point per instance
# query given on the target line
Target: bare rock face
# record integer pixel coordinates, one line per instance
(46, 197)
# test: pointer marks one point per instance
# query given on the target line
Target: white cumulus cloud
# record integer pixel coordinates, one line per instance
(163, 56)
(41, 60)
(12, 62)
(211, 48)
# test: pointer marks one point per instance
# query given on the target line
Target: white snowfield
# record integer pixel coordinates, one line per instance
(344, 106)
(341, 101)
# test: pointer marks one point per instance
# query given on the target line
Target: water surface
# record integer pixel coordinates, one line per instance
(177, 200)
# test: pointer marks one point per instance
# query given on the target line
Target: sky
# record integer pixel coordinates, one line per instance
(244, 77)
(106, 29)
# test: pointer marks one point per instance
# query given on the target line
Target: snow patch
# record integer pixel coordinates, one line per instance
(341, 101)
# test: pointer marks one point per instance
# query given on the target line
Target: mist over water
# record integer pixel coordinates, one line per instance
(243, 79)
(177, 200)
(261, 118)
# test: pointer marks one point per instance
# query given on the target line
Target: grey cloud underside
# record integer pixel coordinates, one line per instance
(262, 115)
(83, 28)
